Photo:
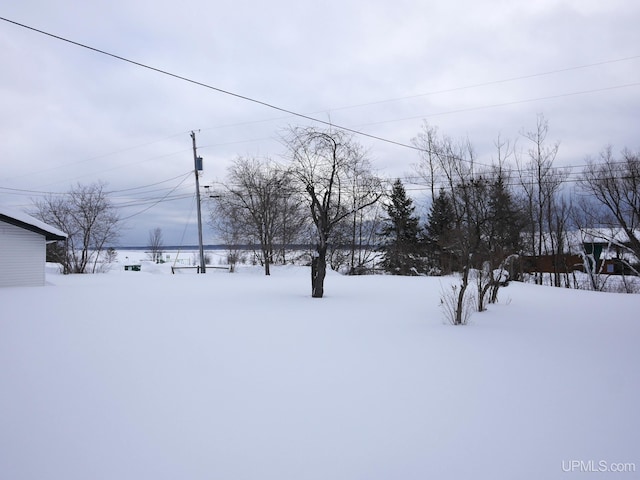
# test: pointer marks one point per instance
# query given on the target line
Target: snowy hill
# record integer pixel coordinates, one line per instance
(148, 375)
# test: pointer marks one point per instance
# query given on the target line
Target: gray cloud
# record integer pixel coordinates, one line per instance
(74, 115)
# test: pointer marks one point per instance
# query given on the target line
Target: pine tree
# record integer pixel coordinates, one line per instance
(400, 233)
(439, 233)
(506, 221)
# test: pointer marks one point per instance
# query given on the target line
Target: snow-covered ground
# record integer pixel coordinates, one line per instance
(148, 375)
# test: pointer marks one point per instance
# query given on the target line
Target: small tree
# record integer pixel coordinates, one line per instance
(156, 245)
(468, 202)
(401, 249)
(500, 233)
(90, 220)
(223, 218)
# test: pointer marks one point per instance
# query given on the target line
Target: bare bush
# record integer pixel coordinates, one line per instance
(457, 304)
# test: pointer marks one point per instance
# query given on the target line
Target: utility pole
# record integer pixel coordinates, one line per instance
(197, 164)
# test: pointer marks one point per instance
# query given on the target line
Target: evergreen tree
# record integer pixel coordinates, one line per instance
(401, 247)
(439, 233)
(506, 220)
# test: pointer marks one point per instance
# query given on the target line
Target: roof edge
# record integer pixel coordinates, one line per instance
(32, 224)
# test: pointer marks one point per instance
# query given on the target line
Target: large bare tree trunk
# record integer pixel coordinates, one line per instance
(318, 272)
(463, 288)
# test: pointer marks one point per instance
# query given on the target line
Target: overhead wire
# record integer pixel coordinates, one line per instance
(504, 104)
(31, 192)
(292, 112)
(127, 202)
(167, 197)
(184, 231)
(485, 84)
(150, 184)
(159, 200)
(205, 85)
(26, 192)
(450, 90)
(154, 201)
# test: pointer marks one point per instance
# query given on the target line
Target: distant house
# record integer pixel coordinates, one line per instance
(23, 241)
(610, 249)
(607, 250)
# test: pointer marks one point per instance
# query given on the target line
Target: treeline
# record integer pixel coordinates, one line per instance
(483, 216)
(483, 220)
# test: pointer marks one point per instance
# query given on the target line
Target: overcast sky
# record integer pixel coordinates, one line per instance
(383, 67)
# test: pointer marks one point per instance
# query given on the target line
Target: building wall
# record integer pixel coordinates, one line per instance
(549, 263)
(22, 257)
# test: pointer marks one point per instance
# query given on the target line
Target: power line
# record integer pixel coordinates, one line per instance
(454, 89)
(505, 104)
(347, 129)
(154, 201)
(484, 84)
(97, 157)
(306, 116)
(160, 200)
(150, 185)
(210, 87)
(20, 191)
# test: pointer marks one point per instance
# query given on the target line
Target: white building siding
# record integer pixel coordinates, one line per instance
(22, 257)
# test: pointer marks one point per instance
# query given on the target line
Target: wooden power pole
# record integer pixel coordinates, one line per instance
(197, 164)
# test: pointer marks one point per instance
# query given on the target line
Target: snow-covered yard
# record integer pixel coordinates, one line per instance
(148, 375)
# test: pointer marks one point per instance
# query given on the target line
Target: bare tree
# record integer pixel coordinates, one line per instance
(365, 227)
(224, 218)
(353, 249)
(430, 155)
(90, 220)
(541, 182)
(156, 245)
(291, 223)
(259, 206)
(364, 220)
(324, 164)
(468, 205)
(474, 223)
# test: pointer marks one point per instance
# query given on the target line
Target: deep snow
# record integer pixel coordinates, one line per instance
(148, 375)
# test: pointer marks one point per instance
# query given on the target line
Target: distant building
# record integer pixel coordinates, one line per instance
(23, 246)
(608, 251)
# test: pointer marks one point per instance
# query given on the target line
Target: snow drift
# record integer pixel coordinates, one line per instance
(148, 375)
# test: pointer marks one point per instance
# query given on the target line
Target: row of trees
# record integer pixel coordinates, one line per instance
(484, 217)
(323, 194)
(481, 216)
